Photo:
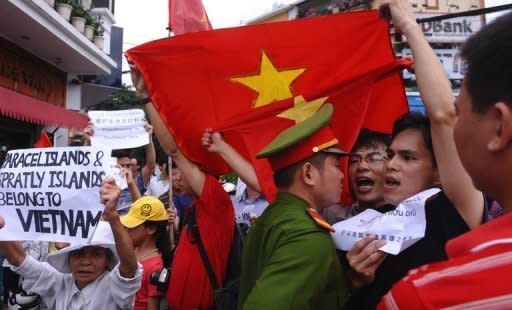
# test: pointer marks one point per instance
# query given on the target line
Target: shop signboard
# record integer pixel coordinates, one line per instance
(453, 30)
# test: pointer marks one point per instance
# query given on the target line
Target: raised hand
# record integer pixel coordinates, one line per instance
(212, 141)
(109, 195)
(138, 80)
(88, 133)
(400, 12)
(149, 128)
(127, 173)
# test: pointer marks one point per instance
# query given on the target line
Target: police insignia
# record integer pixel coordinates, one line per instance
(320, 220)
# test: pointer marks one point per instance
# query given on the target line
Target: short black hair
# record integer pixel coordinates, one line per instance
(120, 153)
(489, 69)
(283, 178)
(162, 159)
(417, 121)
(371, 138)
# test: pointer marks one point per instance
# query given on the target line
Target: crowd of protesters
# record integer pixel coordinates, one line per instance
(168, 240)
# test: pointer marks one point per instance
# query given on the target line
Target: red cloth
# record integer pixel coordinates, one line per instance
(44, 140)
(476, 276)
(149, 265)
(346, 58)
(190, 286)
(187, 16)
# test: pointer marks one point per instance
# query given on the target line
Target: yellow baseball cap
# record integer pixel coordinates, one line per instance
(146, 208)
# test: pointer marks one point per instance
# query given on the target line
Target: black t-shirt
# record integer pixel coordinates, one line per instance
(443, 222)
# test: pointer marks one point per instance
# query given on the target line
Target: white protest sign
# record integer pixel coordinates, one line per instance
(118, 129)
(51, 194)
(401, 227)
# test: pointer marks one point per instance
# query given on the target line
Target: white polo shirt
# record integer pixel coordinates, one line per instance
(58, 290)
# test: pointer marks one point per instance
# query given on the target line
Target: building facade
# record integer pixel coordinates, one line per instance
(43, 60)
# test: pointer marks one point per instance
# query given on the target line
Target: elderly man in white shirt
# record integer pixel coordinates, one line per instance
(101, 275)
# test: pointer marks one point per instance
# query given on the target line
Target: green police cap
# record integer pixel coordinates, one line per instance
(302, 140)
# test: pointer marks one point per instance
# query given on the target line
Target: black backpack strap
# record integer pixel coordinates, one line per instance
(195, 232)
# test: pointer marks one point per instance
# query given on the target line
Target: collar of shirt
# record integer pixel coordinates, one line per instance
(291, 199)
(86, 294)
(494, 233)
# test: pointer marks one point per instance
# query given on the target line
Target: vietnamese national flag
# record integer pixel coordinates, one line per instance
(187, 16)
(252, 82)
(44, 140)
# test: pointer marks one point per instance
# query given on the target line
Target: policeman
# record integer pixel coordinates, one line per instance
(289, 260)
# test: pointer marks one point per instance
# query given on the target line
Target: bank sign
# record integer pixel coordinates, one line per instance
(454, 30)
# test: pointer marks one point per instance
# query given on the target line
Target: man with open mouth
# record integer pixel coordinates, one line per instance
(422, 155)
(366, 177)
(366, 170)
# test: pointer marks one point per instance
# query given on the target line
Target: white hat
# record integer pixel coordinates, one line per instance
(102, 237)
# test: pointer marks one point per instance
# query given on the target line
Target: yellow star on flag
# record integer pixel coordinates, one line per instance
(270, 83)
(302, 109)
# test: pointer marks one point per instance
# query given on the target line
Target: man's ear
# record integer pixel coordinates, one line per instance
(309, 173)
(501, 116)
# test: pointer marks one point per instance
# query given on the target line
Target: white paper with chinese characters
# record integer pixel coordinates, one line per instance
(122, 129)
(401, 227)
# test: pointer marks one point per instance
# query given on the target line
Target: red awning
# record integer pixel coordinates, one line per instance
(31, 110)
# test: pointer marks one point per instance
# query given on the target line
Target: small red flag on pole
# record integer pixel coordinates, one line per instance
(44, 140)
(187, 16)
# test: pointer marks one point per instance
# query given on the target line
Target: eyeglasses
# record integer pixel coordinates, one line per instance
(372, 158)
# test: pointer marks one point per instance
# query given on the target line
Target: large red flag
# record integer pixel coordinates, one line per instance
(252, 82)
(187, 16)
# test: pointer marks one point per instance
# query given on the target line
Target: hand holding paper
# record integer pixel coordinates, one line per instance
(109, 194)
(149, 128)
(51, 194)
(88, 133)
(401, 227)
(364, 259)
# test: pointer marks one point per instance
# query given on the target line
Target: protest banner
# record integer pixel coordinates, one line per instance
(52, 194)
(119, 129)
(401, 227)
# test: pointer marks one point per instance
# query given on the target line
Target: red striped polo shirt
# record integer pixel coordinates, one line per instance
(478, 274)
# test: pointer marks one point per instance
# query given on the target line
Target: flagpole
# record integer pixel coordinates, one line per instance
(465, 13)
(476, 12)
(171, 204)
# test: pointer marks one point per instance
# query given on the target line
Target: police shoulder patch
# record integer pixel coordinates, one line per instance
(320, 220)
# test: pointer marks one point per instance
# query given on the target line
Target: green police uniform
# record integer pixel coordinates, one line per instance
(289, 261)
